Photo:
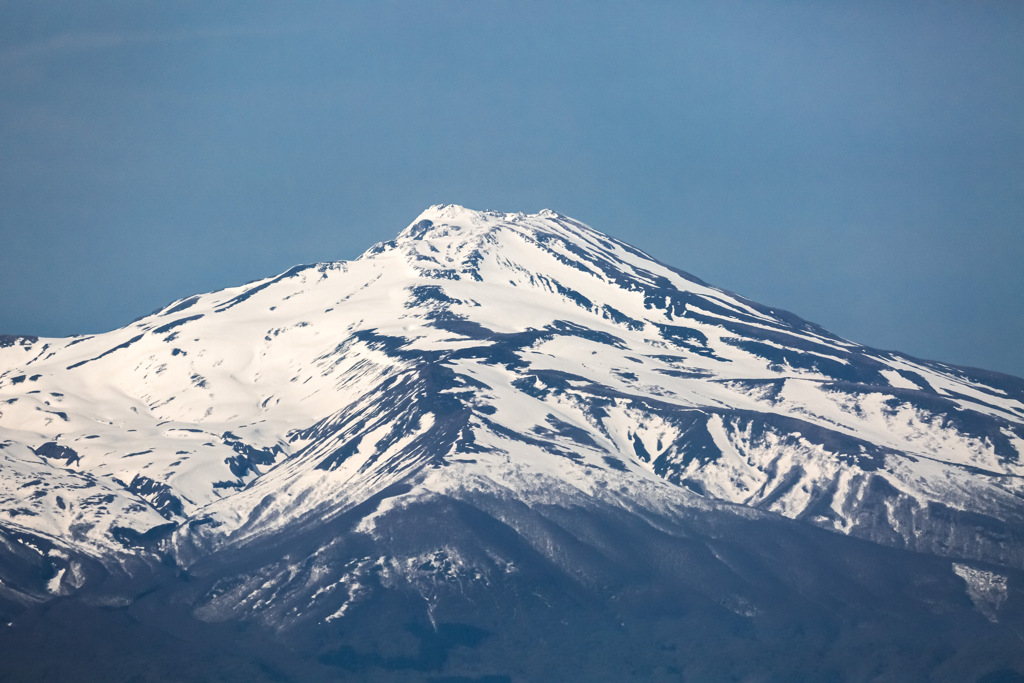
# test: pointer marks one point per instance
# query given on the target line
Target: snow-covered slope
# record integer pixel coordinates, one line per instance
(528, 357)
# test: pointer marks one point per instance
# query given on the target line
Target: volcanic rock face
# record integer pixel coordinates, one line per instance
(496, 423)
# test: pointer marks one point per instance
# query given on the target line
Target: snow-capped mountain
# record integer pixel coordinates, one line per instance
(518, 368)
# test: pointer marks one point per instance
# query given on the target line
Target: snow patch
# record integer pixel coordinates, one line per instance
(53, 585)
(986, 589)
(898, 381)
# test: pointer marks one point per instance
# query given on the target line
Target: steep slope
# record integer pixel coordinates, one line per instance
(507, 367)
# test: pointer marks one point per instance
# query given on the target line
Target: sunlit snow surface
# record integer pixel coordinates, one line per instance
(492, 351)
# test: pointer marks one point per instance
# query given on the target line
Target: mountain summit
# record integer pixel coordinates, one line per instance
(509, 424)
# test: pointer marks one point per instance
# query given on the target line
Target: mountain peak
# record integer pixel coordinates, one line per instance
(447, 220)
(457, 212)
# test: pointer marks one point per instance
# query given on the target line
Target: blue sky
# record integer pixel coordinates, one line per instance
(859, 163)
